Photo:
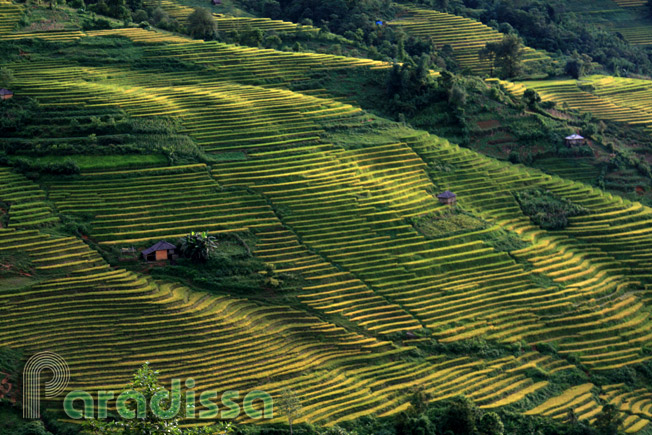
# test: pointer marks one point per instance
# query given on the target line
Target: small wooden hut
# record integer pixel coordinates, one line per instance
(5, 94)
(447, 197)
(574, 140)
(160, 251)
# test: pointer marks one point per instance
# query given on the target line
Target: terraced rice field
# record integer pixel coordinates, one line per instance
(602, 272)
(636, 33)
(9, 16)
(630, 3)
(581, 400)
(626, 17)
(229, 23)
(578, 169)
(136, 34)
(613, 98)
(122, 215)
(52, 256)
(343, 221)
(467, 37)
(116, 320)
(635, 405)
(26, 201)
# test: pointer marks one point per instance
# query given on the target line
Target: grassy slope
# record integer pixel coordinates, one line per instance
(338, 200)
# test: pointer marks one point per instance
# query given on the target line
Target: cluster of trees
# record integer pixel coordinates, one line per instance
(550, 28)
(146, 381)
(357, 22)
(339, 16)
(506, 55)
(129, 11)
(410, 87)
(547, 210)
(198, 246)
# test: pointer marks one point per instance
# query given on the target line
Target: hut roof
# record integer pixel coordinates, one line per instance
(4, 91)
(574, 137)
(446, 195)
(160, 246)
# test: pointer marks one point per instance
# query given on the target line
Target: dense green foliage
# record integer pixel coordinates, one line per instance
(198, 246)
(146, 382)
(201, 24)
(547, 210)
(506, 55)
(545, 25)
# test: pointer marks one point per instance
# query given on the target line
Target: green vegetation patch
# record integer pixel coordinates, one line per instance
(86, 162)
(548, 210)
(434, 225)
(13, 265)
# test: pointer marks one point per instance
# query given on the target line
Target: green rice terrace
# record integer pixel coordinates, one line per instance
(403, 230)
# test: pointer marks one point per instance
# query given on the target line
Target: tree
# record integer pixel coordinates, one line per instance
(457, 96)
(419, 400)
(271, 277)
(6, 77)
(418, 424)
(461, 416)
(506, 54)
(202, 25)
(579, 65)
(608, 421)
(290, 406)
(118, 9)
(446, 81)
(571, 417)
(198, 246)
(336, 430)
(159, 16)
(491, 424)
(531, 98)
(146, 382)
(139, 16)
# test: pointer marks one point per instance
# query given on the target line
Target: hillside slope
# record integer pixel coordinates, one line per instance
(383, 288)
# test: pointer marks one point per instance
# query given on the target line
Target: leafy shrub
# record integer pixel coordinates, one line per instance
(201, 24)
(198, 246)
(547, 210)
(25, 166)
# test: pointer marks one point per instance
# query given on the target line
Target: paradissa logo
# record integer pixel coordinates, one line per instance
(132, 404)
(166, 406)
(32, 381)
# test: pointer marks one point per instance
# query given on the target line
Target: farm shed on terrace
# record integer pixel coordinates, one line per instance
(159, 251)
(5, 94)
(447, 197)
(574, 139)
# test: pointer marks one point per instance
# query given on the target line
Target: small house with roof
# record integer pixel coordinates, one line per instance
(160, 251)
(574, 139)
(5, 94)
(447, 197)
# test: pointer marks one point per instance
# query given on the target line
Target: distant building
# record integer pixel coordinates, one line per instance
(574, 139)
(447, 197)
(159, 252)
(216, 2)
(5, 94)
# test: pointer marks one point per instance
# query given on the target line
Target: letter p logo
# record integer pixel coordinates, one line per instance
(32, 381)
